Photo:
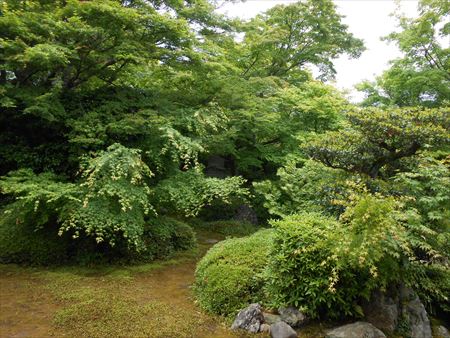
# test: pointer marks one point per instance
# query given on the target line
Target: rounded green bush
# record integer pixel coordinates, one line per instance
(231, 275)
(163, 236)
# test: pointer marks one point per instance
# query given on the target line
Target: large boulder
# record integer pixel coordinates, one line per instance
(383, 311)
(249, 319)
(356, 330)
(414, 313)
(399, 306)
(292, 316)
(282, 330)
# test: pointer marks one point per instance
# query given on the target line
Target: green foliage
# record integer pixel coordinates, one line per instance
(426, 189)
(421, 77)
(311, 187)
(304, 272)
(116, 198)
(38, 198)
(110, 203)
(228, 228)
(188, 192)
(376, 141)
(374, 237)
(163, 236)
(231, 274)
(287, 37)
(21, 242)
(427, 186)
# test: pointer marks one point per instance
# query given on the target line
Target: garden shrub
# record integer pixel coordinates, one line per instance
(311, 187)
(163, 236)
(302, 270)
(231, 275)
(21, 243)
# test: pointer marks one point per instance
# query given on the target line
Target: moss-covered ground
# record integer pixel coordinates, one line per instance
(148, 300)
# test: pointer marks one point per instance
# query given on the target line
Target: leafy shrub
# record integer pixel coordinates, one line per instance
(110, 203)
(309, 188)
(190, 191)
(163, 236)
(115, 198)
(303, 271)
(20, 243)
(328, 266)
(231, 274)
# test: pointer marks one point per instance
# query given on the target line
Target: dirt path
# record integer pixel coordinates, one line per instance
(142, 301)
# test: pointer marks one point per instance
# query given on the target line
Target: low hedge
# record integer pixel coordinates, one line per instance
(23, 244)
(231, 274)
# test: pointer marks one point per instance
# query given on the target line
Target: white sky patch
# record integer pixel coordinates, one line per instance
(367, 19)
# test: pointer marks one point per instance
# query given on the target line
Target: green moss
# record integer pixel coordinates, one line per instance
(116, 308)
(231, 274)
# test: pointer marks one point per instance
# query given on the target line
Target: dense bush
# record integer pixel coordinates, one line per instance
(20, 243)
(303, 271)
(231, 274)
(311, 187)
(328, 266)
(109, 206)
(163, 236)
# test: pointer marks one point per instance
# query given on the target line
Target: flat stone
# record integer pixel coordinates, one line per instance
(211, 241)
(282, 330)
(356, 330)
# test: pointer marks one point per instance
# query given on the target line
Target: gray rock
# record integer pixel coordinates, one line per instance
(413, 311)
(442, 332)
(270, 318)
(356, 330)
(282, 330)
(265, 328)
(292, 316)
(399, 306)
(382, 311)
(249, 319)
